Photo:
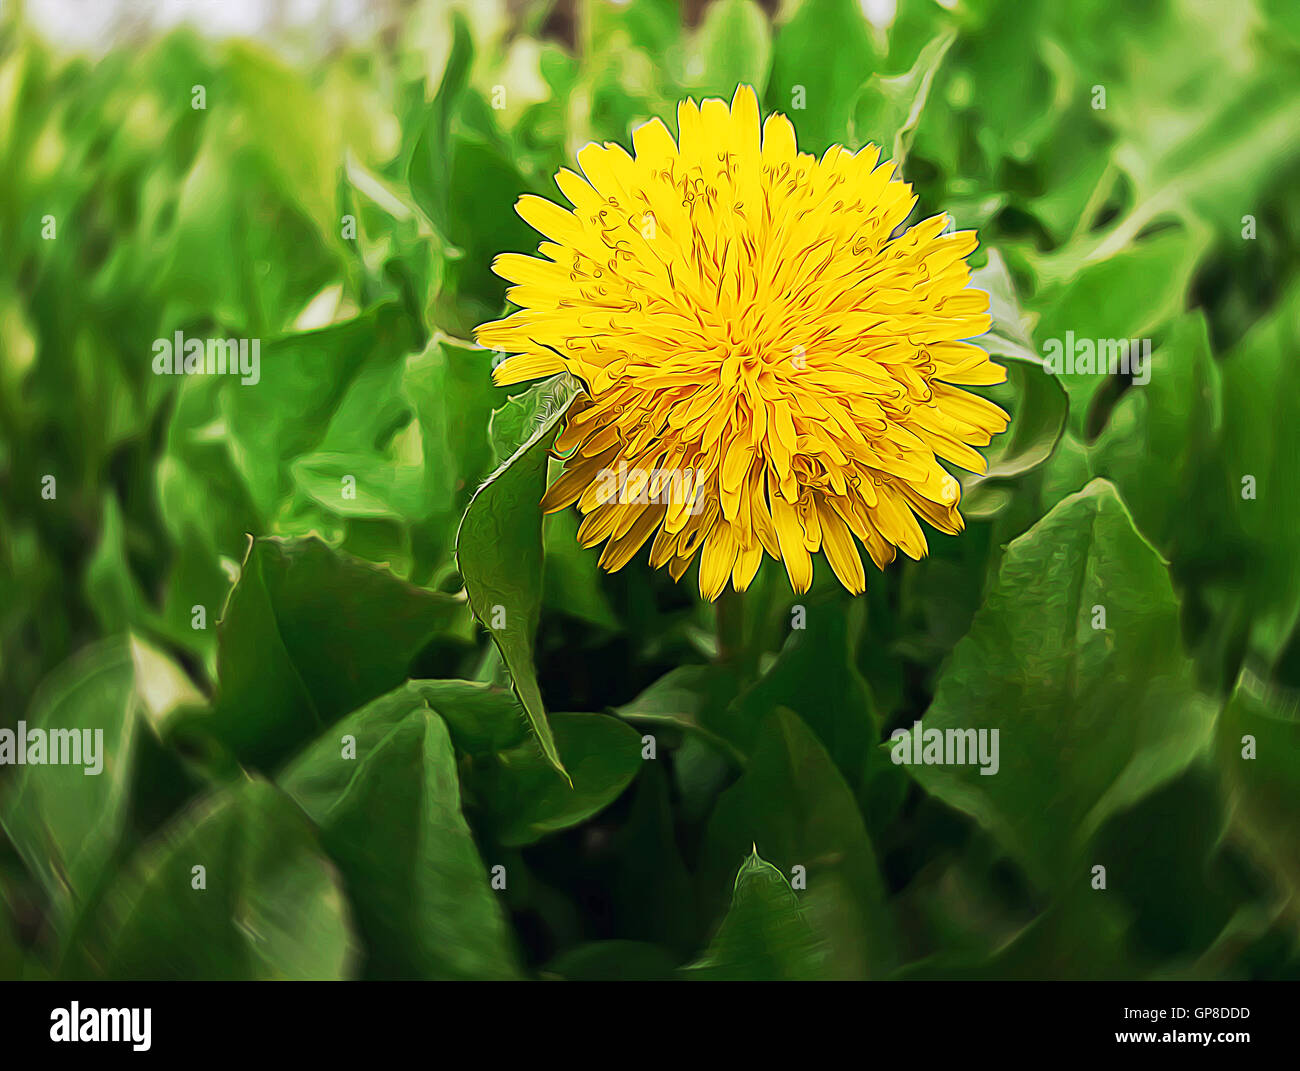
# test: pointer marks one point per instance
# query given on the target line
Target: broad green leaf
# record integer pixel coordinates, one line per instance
(266, 905)
(828, 79)
(524, 797)
(499, 553)
(366, 485)
(482, 719)
(766, 935)
(308, 635)
(794, 806)
(1092, 714)
(394, 827)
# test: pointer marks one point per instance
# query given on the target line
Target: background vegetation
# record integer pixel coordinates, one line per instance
(343, 205)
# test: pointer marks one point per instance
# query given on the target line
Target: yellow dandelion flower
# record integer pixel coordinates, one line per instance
(766, 369)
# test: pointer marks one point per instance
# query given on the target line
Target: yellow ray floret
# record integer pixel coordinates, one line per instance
(766, 369)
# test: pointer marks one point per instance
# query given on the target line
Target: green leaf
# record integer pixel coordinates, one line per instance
(271, 908)
(308, 635)
(831, 79)
(391, 820)
(1091, 716)
(499, 553)
(515, 422)
(573, 579)
(653, 896)
(429, 171)
(793, 804)
(304, 378)
(66, 821)
(1261, 383)
(525, 798)
(1258, 756)
(296, 138)
(732, 47)
(766, 936)
(450, 387)
(1034, 397)
(112, 589)
(1161, 446)
(1092, 293)
(815, 677)
(889, 109)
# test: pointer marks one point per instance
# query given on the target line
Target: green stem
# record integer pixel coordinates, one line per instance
(729, 624)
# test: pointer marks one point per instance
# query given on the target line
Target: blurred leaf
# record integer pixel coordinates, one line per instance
(1123, 294)
(271, 906)
(614, 961)
(888, 109)
(304, 379)
(830, 78)
(429, 171)
(1261, 383)
(816, 677)
(1258, 753)
(1160, 444)
(66, 820)
(732, 47)
(653, 895)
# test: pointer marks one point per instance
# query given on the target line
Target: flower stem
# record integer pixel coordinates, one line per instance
(729, 623)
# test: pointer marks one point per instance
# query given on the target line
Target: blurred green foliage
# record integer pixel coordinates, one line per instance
(198, 587)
